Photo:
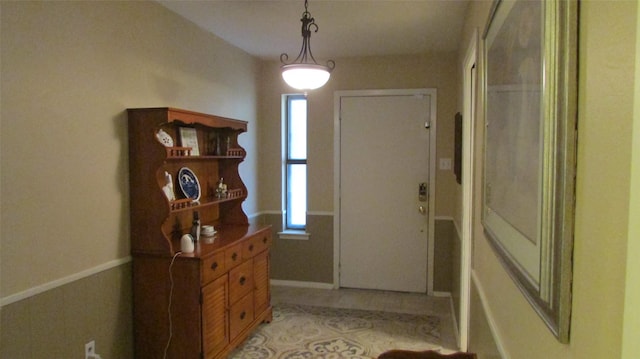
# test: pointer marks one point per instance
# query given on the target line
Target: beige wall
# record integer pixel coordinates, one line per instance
(57, 323)
(69, 71)
(390, 72)
(607, 50)
(631, 328)
(312, 260)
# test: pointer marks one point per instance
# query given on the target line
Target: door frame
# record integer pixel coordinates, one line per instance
(337, 97)
(469, 100)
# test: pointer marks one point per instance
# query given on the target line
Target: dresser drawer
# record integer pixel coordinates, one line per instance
(240, 315)
(256, 244)
(213, 267)
(233, 255)
(240, 281)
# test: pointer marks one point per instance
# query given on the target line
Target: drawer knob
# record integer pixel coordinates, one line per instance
(214, 265)
(264, 240)
(234, 256)
(251, 248)
(242, 280)
(242, 315)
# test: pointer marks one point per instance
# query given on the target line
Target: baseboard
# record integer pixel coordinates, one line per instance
(301, 284)
(454, 321)
(441, 294)
(489, 315)
(276, 212)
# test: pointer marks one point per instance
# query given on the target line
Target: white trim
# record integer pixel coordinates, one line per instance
(336, 189)
(283, 158)
(458, 232)
(440, 294)
(301, 284)
(62, 281)
(469, 89)
(433, 93)
(279, 212)
(454, 320)
(320, 213)
(443, 218)
(432, 188)
(489, 315)
(256, 214)
(262, 213)
(452, 307)
(295, 235)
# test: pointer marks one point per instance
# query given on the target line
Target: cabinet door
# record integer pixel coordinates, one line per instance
(262, 293)
(215, 333)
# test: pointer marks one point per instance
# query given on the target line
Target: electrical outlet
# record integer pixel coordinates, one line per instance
(90, 350)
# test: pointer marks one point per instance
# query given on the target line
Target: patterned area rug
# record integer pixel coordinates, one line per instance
(306, 332)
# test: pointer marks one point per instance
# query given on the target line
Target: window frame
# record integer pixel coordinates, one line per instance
(288, 161)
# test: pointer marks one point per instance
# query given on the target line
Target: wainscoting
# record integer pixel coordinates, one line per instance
(311, 260)
(482, 333)
(58, 322)
(446, 276)
(302, 260)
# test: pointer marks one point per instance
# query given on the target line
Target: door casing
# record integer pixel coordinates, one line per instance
(470, 87)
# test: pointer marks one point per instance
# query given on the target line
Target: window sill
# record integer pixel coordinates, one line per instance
(292, 234)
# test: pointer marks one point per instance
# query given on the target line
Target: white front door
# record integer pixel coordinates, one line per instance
(383, 221)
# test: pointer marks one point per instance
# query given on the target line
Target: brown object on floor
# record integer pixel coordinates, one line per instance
(429, 354)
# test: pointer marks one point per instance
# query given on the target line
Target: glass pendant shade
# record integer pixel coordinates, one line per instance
(304, 73)
(305, 76)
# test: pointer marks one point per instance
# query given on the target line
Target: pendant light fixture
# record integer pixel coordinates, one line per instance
(304, 73)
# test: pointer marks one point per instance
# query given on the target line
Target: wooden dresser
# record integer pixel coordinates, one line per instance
(205, 303)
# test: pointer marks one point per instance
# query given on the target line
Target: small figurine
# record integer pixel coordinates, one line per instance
(221, 190)
(168, 187)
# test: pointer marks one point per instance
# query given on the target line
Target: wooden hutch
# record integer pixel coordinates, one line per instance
(219, 293)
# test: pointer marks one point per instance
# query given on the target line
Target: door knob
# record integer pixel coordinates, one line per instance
(422, 210)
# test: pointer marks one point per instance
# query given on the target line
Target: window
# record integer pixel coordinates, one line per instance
(295, 164)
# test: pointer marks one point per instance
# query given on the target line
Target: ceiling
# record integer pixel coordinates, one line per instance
(267, 28)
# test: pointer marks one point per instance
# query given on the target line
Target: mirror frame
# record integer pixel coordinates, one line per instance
(549, 289)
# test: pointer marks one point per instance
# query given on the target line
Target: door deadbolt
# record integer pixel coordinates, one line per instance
(423, 192)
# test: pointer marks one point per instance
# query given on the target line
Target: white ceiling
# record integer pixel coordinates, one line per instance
(267, 28)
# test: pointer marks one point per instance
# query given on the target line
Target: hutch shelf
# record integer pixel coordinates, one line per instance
(205, 303)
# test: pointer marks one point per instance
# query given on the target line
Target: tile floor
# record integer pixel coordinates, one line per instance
(414, 303)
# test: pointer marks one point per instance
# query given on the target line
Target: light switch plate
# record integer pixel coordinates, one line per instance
(445, 163)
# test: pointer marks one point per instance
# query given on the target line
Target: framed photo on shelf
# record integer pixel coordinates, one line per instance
(189, 138)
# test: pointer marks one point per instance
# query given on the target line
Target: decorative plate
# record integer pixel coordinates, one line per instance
(189, 183)
(164, 138)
